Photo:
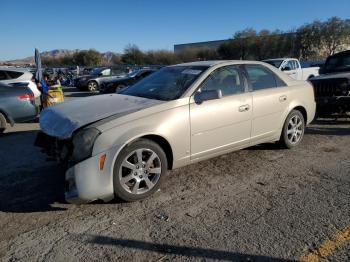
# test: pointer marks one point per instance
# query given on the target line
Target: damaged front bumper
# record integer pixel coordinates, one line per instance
(87, 180)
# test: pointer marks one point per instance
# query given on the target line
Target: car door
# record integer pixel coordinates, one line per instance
(222, 124)
(299, 71)
(270, 101)
(289, 68)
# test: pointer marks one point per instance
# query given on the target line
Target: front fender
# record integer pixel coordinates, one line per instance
(172, 125)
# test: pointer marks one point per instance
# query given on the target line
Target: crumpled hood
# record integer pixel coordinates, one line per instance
(63, 119)
(332, 76)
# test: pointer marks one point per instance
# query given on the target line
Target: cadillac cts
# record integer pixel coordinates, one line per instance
(123, 144)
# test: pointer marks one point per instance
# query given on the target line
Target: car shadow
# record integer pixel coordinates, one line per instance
(329, 127)
(74, 92)
(166, 249)
(28, 183)
(81, 94)
(266, 146)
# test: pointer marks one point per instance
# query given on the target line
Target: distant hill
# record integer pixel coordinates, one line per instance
(54, 54)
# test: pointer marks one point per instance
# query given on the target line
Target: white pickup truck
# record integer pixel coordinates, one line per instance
(292, 67)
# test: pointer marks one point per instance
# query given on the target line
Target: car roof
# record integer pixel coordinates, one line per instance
(276, 59)
(211, 63)
(22, 70)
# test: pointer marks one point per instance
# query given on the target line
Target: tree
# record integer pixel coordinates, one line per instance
(133, 55)
(87, 58)
(334, 33)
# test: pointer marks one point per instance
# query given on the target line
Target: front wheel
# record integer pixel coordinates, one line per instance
(3, 123)
(139, 170)
(293, 130)
(92, 86)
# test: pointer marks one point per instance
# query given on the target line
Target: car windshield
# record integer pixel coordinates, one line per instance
(338, 64)
(167, 84)
(275, 63)
(133, 73)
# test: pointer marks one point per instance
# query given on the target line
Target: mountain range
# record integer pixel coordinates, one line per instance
(54, 54)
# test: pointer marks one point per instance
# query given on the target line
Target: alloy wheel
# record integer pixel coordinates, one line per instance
(140, 171)
(295, 129)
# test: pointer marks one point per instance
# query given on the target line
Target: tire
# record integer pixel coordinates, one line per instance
(293, 130)
(3, 123)
(134, 179)
(92, 86)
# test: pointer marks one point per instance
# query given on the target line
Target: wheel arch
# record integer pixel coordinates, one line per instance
(164, 144)
(7, 117)
(158, 139)
(302, 110)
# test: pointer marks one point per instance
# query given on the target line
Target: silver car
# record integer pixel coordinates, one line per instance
(123, 144)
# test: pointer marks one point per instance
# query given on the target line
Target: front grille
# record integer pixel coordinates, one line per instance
(331, 87)
(54, 148)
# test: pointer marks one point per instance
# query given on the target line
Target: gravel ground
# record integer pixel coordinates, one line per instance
(258, 204)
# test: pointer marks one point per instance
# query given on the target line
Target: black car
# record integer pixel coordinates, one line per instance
(92, 81)
(112, 85)
(17, 104)
(332, 87)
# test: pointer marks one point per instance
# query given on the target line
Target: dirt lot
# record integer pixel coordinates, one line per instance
(258, 204)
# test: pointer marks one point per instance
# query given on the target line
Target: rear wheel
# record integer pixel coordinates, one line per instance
(293, 130)
(139, 170)
(3, 123)
(92, 86)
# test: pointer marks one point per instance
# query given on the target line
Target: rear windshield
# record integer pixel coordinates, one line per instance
(14, 74)
(337, 64)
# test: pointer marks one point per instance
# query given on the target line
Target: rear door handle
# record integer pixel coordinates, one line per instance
(243, 108)
(283, 98)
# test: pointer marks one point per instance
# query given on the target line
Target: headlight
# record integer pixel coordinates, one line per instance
(83, 143)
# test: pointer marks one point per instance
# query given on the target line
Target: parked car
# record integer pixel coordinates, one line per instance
(15, 76)
(332, 87)
(16, 105)
(123, 144)
(92, 81)
(292, 67)
(112, 85)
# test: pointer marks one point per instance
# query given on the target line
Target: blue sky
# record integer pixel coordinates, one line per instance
(111, 25)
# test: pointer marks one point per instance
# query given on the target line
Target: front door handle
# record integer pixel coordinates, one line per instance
(243, 108)
(283, 98)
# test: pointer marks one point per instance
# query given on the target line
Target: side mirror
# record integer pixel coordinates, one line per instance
(286, 68)
(206, 95)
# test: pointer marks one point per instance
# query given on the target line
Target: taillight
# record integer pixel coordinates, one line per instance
(27, 97)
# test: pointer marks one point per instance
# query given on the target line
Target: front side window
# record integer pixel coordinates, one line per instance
(262, 78)
(227, 79)
(289, 65)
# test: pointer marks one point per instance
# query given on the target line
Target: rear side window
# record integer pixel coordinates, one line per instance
(261, 77)
(3, 75)
(13, 74)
